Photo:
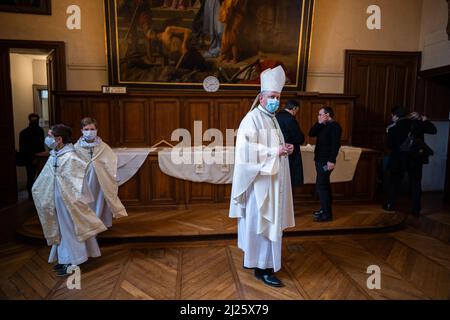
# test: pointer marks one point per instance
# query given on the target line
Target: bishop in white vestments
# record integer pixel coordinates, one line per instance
(261, 196)
(70, 226)
(101, 176)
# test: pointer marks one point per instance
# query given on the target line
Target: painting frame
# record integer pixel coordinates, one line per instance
(44, 8)
(115, 77)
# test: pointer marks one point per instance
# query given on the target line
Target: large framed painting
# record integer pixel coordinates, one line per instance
(179, 43)
(27, 6)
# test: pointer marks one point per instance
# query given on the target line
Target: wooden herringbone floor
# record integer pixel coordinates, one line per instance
(414, 263)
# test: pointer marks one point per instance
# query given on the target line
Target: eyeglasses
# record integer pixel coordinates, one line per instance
(321, 114)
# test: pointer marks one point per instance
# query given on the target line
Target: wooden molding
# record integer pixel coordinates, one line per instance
(448, 23)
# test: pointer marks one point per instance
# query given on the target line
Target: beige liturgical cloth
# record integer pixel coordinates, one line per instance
(346, 163)
(222, 173)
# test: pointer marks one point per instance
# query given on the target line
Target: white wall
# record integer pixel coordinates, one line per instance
(434, 41)
(338, 25)
(435, 47)
(341, 24)
(39, 71)
(434, 173)
(25, 69)
(85, 48)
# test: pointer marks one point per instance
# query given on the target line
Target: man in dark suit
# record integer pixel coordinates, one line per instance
(31, 141)
(328, 141)
(400, 162)
(292, 134)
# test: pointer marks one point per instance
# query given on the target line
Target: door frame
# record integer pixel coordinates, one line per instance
(59, 48)
(7, 160)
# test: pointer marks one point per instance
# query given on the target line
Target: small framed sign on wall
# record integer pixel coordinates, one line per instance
(27, 6)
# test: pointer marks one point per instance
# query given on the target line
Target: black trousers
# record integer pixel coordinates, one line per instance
(31, 176)
(395, 178)
(323, 187)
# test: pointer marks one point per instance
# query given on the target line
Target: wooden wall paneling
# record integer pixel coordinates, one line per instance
(231, 113)
(134, 123)
(340, 191)
(199, 110)
(199, 192)
(145, 118)
(433, 94)
(304, 117)
(343, 115)
(101, 110)
(382, 79)
(361, 74)
(130, 193)
(437, 100)
(165, 117)
(162, 189)
(8, 178)
(447, 179)
(365, 179)
(70, 111)
(304, 193)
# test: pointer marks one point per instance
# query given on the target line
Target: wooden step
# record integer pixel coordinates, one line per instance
(212, 222)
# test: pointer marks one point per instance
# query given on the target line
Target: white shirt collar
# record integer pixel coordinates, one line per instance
(83, 143)
(67, 148)
(262, 109)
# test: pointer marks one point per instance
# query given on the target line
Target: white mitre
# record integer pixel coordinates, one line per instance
(273, 79)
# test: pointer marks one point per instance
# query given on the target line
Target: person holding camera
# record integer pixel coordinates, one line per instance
(328, 141)
(403, 158)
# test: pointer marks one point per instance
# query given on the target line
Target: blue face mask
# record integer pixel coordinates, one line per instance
(50, 142)
(89, 134)
(272, 105)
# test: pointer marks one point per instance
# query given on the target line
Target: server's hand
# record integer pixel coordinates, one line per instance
(330, 165)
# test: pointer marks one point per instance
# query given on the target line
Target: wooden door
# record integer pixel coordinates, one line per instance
(382, 80)
(8, 179)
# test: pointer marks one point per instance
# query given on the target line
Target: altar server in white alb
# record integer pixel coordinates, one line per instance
(101, 176)
(261, 196)
(69, 224)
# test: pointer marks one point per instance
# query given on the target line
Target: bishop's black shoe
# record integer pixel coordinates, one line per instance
(323, 217)
(268, 277)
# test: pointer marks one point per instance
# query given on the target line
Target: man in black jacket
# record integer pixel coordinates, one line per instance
(292, 134)
(400, 162)
(31, 141)
(328, 141)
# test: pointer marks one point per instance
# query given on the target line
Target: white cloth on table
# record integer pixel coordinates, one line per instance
(70, 250)
(129, 160)
(346, 163)
(259, 251)
(204, 169)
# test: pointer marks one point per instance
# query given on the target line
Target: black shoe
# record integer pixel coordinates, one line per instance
(63, 271)
(318, 213)
(58, 267)
(268, 277)
(323, 217)
(388, 207)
